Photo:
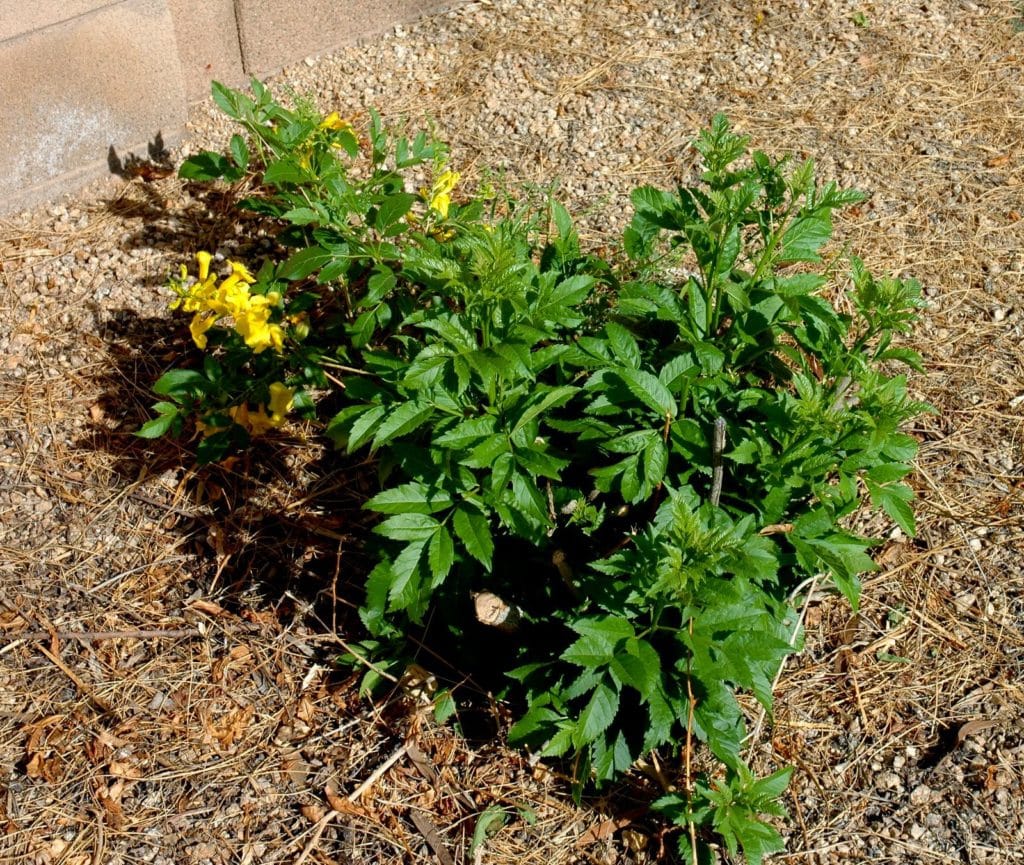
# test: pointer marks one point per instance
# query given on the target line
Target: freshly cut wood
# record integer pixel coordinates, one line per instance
(496, 613)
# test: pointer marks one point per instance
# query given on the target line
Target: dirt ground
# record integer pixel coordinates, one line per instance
(168, 685)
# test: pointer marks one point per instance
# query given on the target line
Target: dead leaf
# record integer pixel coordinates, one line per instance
(313, 811)
(123, 769)
(422, 763)
(975, 726)
(38, 731)
(777, 529)
(294, 768)
(341, 804)
(96, 752)
(334, 800)
(237, 657)
(305, 710)
(430, 834)
(113, 812)
(208, 607)
(230, 729)
(608, 827)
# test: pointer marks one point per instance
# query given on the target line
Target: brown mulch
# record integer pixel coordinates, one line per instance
(169, 691)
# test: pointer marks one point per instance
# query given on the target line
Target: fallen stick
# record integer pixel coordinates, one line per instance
(331, 815)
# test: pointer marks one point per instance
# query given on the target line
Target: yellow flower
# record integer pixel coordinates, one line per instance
(242, 272)
(257, 421)
(204, 259)
(231, 298)
(201, 322)
(282, 398)
(441, 193)
(209, 302)
(334, 122)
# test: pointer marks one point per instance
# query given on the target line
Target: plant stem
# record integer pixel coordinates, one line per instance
(717, 470)
(688, 765)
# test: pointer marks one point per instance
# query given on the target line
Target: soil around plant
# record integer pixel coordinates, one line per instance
(169, 691)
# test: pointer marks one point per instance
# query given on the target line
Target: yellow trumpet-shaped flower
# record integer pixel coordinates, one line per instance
(242, 272)
(204, 259)
(441, 193)
(335, 122)
(201, 322)
(282, 398)
(209, 301)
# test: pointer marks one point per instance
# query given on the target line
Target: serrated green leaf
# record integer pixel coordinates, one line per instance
(401, 421)
(895, 500)
(204, 166)
(405, 571)
(408, 527)
(804, 237)
(638, 666)
(655, 461)
(304, 262)
(646, 388)
(364, 427)
(623, 344)
(392, 209)
(549, 398)
(474, 530)
(597, 716)
(440, 554)
(411, 498)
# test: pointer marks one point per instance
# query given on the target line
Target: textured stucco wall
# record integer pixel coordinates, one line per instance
(79, 77)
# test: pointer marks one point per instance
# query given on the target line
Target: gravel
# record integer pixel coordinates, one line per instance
(917, 103)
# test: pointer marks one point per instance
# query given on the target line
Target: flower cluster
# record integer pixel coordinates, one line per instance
(209, 301)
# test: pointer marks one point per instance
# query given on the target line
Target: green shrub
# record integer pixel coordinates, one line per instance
(638, 457)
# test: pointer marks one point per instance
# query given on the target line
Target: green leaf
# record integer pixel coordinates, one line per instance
(158, 426)
(649, 390)
(392, 209)
(474, 530)
(535, 726)
(894, 499)
(440, 554)
(204, 166)
(239, 152)
(363, 428)
(285, 171)
(597, 716)
(758, 839)
(638, 666)
(411, 498)
(408, 527)
(487, 824)
(304, 262)
(549, 398)
(655, 461)
(405, 586)
(624, 345)
(444, 706)
(804, 237)
(401, 421)
(180, 384)
(301, 216)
